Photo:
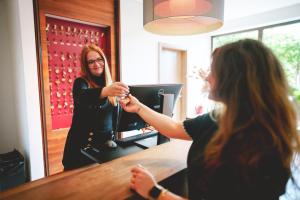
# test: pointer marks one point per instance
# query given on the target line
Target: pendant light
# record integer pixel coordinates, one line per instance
(182, 17)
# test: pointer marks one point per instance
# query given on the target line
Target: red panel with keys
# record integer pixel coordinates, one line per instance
(65, 39)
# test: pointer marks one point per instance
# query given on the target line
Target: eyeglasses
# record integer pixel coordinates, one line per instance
(98, 60)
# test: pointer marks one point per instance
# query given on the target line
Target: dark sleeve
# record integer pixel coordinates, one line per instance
(85, 96)
(194, 127)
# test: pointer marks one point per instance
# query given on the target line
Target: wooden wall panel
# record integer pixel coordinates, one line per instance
(101, 12)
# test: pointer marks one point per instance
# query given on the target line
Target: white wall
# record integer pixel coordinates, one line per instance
(9, 128)
(20, 108)
(235, 9)
(278, 15)
(139, 49)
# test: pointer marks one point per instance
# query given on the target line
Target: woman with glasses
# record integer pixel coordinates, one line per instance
(95, 104)
(243, 151)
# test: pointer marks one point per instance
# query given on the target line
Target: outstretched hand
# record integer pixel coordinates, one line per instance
(142, 180)
(130, 104)
(118, 89)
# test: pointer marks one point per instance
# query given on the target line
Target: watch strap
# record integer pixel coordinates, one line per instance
(155, 191)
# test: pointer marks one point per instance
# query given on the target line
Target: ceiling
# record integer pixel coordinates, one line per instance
(241, 8)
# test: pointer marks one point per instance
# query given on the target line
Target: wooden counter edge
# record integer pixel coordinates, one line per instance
(162, 161)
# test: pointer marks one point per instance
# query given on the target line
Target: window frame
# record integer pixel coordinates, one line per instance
(259, 29)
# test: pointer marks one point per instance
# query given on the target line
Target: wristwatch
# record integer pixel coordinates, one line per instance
(155, 191)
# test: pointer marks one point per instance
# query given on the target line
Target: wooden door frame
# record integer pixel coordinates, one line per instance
(184, 51)
(40, 13)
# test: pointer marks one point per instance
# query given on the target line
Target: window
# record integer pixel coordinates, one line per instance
(285, 43)
(283, 39)
(221, 40)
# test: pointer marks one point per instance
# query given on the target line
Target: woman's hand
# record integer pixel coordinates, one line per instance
(118, 89)
(142, 181)
(130, 104)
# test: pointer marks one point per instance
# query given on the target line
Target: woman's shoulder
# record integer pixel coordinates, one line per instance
(200, 124)
(80, 79)
(80, 82)
(201, 120)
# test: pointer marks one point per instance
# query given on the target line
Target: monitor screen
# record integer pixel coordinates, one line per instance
(151, 96)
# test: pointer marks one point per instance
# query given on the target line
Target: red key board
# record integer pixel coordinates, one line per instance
(65, 39)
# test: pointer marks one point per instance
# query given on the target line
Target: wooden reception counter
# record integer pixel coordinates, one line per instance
(109, 180)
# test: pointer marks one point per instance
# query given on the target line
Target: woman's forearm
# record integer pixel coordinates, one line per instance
(162, 123)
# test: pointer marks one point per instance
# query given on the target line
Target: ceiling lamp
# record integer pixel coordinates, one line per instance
(182, 17)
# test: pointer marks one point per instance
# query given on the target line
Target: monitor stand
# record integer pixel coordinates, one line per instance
(167, 101)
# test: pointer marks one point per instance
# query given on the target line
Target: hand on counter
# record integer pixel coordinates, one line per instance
(142, 180)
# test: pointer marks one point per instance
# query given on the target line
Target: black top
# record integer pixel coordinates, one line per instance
(92, 123)
(265, 182)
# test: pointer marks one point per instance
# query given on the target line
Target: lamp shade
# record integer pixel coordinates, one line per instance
(182, 17)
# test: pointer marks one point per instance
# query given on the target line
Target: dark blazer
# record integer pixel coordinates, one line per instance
(92, 123)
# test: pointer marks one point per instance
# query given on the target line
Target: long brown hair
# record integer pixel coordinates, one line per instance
(251, 84)
(86, 74)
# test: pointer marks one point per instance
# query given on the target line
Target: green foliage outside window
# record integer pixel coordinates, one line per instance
(285, 43)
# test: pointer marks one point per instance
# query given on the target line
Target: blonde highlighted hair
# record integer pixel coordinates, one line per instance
(86, 74)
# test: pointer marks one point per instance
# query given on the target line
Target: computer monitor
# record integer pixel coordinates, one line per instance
(152, 96)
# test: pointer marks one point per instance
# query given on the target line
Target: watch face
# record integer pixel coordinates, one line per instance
(155, 191)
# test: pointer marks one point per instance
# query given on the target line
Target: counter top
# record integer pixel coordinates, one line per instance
(109, 180)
